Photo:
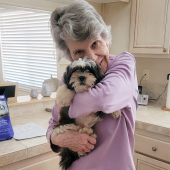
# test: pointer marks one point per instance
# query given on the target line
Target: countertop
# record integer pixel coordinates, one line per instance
(12, 151)
(153, 119)
(150, 118)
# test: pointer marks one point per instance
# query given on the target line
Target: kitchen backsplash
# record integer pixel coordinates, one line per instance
(154, 90)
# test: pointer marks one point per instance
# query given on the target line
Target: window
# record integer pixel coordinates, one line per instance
(27, 48)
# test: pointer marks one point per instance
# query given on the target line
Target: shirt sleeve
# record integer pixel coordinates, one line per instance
(112, 94)
(52, 122)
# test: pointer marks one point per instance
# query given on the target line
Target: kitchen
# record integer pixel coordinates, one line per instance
(152, 123)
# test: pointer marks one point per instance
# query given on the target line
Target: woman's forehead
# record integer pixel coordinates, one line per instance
(74, 45)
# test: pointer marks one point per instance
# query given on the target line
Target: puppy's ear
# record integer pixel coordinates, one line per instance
(67, 76)
(98, 74)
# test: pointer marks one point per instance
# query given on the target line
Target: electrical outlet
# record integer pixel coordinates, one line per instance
(146, 71)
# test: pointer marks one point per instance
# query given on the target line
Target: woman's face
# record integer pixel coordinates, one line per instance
(95, 49)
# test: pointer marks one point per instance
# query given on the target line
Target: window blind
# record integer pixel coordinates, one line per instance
(27, 47)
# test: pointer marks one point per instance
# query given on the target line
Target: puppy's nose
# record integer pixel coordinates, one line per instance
(82, 78)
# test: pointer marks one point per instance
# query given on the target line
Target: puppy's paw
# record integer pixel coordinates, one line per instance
(64, 96)
(86, 130)
(116, 114)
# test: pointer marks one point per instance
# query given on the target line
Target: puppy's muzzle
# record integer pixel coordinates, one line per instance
(82, 80)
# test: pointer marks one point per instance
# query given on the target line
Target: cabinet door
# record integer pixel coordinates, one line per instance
(150, 27)
(146, 163)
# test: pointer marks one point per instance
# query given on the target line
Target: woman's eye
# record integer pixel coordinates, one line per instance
(79, 52)
(95, 43)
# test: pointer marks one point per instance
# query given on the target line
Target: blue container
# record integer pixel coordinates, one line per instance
(6, 130)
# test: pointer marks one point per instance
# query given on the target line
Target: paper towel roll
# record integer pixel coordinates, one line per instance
(168, 95)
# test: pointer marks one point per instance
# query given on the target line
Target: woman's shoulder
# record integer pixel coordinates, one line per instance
(124, 58)
(124, 54)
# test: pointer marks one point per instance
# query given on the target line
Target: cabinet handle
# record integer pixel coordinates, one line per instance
(154, 148)
(164, 49)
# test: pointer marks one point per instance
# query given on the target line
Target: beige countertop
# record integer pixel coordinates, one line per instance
(150, 118)
(153, 119)
(12, 151)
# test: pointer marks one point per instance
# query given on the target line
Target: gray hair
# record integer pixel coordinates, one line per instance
(78, 21)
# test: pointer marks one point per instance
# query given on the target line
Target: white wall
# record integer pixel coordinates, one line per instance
(117, 15)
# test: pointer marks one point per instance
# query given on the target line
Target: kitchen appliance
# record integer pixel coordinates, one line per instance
(142, 99)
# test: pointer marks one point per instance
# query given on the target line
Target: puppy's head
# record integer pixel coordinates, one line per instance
(82, 74)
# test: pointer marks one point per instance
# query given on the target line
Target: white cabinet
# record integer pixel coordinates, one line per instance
(152, 147)
(150, 27)
(145, 163)
(151, 154)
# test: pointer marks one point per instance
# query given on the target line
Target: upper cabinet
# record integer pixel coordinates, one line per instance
(108, 1)
(150, 27)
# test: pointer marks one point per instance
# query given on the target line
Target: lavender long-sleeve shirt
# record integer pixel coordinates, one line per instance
(115, 137)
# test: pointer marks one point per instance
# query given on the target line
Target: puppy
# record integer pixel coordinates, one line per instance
(80, 75)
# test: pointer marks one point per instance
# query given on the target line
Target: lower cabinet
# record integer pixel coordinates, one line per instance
(145, 163)
(49, 164)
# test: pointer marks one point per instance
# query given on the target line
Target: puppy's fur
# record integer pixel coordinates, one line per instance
(80, 75)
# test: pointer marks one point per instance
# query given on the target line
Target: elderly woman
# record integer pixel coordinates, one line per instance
(79, 31)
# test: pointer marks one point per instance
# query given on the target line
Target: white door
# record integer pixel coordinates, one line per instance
(145, 163)
(150, 27)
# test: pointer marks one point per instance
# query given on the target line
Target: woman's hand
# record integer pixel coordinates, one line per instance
(74, 140)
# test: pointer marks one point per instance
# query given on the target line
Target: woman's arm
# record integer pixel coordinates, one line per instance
(52, 123)
(71, 139)
(112, 93)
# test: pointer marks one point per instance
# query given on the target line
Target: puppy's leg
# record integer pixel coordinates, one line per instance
(86, 130)
(64, 96)
(116, 114)
(62, 128)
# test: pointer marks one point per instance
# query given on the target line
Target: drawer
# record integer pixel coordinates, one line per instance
(49, 164)
(152, 147)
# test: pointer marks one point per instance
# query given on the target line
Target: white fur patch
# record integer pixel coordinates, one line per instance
(64, 96)
(83, 62)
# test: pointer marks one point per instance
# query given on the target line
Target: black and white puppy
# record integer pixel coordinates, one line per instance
(80, 75)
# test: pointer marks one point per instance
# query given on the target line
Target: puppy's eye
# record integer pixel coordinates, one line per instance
(78, 71)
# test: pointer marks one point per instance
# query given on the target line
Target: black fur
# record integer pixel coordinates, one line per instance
(68, 156)
(64, 117)
(96, 71)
